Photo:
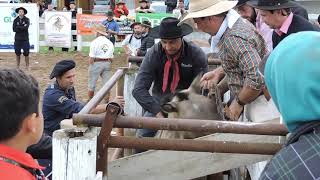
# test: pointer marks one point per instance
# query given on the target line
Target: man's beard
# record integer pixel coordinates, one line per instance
(138, 35)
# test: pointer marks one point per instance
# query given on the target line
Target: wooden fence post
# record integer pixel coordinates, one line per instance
(131, 107)
(74, 154)
(79, 36)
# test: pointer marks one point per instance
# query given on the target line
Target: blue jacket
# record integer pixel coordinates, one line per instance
(112, 25)
(57, 106)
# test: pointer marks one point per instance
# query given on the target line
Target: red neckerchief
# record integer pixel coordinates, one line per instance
(176, 72)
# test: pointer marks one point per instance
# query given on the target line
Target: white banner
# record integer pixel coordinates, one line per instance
(58, 29)
(7, 16)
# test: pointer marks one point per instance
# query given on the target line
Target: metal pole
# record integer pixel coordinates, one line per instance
(194, 145)
(102, 92)
(135, 59)
(102, 146)
(210, 126)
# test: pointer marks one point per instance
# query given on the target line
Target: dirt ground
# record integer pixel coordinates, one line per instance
(42, 65)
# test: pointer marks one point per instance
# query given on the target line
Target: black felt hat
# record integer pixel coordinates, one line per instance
(141, 1)
(24, 10)
(110, 13)
(134, 24)
(241, 2)
(146, 24)
(61, 67)
(169, 29)
(272, 4)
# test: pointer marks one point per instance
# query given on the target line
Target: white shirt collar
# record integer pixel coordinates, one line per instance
(228, 22)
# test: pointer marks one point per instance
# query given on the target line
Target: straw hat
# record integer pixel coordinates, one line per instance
(100, 29)
(204, 8)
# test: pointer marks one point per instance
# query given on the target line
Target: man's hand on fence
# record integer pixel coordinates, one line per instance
(119, 100)
(91, 60)
(160, 115)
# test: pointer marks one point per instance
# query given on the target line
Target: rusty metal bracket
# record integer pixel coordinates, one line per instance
(102, 143)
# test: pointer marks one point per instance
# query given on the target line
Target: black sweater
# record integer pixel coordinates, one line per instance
(21, 26)
(298, 24)
(146, 43)
(192, 61)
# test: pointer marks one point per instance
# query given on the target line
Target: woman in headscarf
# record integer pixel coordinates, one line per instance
(292, 76)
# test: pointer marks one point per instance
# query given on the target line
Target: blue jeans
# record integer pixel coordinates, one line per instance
(141, 133)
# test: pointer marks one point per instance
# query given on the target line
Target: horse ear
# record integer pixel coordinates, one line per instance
(169, 107)
(195, 85)
(182, 95)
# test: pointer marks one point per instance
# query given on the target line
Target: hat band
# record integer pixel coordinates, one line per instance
(270, 3)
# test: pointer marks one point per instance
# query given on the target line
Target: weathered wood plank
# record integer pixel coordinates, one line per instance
(74, 158)
(156, 165)
(132, 107)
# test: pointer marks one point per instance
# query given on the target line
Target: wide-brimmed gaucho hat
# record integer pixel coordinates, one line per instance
(100, 29)
(271, 4)
(169, 29)
(24, 10)
(205, 8)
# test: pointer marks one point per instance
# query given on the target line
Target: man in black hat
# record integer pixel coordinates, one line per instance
(132, 42)
(147, 41)
(279, 16)
(250, 13)
(170, 65)
(111, 26)
(59, 99)
(21, 38)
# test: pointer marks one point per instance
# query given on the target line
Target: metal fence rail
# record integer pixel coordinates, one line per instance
(195, 125)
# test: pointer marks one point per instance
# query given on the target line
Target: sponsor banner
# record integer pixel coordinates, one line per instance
(154, 18)
(86, 21)
(58, 29)
(7, 16)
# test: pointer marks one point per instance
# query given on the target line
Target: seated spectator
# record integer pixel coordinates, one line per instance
(120, 9)
(180, 10)
(21, 125)
(294, 84)
(133, 41)
(144, 7)
(146, 41)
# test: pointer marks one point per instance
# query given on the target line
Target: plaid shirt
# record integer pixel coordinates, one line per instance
(241, 49)
(297, 161)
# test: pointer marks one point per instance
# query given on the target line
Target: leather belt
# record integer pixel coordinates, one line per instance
(102, 60)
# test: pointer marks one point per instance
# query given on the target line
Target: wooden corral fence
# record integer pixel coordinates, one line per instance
(78, 153)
